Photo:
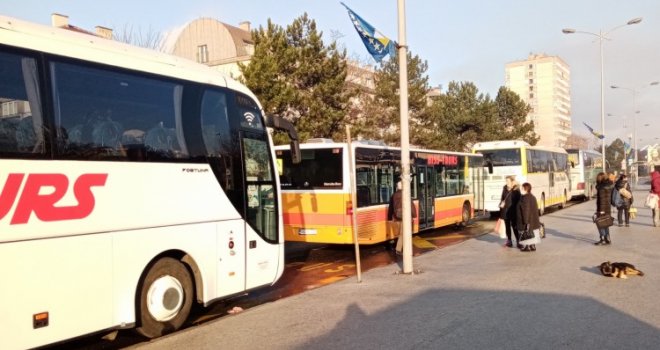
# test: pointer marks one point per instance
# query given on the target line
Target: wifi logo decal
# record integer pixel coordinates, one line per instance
(251, 120)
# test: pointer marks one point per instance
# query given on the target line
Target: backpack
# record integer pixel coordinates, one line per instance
(616, 199)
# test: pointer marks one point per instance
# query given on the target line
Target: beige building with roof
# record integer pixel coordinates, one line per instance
(543, 82)
(216, 44)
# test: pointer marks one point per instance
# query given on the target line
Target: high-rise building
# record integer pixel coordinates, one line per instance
(543, 82)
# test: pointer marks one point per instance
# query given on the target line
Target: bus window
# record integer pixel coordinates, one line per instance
(21, 123)
(318, 169)
(440, 190)
(104, 114)
(260, 192)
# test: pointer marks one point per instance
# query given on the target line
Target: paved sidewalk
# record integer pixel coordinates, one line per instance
(473, 295)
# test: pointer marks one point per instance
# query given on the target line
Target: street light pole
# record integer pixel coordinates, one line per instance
(634, 116)
(601, 36)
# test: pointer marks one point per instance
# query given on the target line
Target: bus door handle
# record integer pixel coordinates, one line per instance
(253, 244)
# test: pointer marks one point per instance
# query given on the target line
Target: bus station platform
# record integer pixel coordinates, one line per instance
(477, 294)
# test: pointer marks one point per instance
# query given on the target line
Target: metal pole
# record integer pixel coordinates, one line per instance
(602, 99)
(635, 165)
(405, 146)
(351, 168)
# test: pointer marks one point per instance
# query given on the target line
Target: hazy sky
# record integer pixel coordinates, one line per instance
(467, 40)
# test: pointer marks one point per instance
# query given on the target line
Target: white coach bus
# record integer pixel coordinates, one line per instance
(585, 166)
(132, 185)
(545, 168)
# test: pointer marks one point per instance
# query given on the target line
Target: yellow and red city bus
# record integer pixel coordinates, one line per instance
(446, 188)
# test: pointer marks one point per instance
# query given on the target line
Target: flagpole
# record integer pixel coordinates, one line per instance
(405, 146)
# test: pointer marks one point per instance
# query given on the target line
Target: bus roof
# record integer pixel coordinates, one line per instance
(67, 43)
(344, 145)
(493, 145)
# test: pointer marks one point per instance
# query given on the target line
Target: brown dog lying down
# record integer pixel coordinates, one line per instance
(619, 269)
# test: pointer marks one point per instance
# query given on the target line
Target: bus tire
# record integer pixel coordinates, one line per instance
(465, 214)
(165, 299)
(542, 207)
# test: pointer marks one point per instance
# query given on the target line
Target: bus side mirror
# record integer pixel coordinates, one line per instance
(572, 164)
(279, 123)
(490, 167)
(295, 152)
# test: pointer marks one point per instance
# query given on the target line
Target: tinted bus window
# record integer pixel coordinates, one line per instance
(103, 114)
(21, 123)
(502, 157)
(319, 169)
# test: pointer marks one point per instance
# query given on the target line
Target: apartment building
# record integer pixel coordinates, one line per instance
(543, 82)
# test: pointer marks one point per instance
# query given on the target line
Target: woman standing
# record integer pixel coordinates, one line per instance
(528, 215)
(603, 208)
(508, 205)
(623, 208)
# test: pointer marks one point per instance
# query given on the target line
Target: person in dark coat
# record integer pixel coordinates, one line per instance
(623, 210)
(508, 209)
(528, 214)
(395, 213)
(604, 187)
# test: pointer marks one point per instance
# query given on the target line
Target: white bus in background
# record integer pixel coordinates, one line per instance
(133, 184)
(584, 166)
(545, 168)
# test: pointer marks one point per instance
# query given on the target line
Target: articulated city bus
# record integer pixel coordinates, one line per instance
(316, 194)
(132, 185)
(545, 168)
(585, 165)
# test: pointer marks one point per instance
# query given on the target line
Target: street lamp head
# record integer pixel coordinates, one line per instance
(568, 31)
(614, 87)
(634, 20)
(654, 83)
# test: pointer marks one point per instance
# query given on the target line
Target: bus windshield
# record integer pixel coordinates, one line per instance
(502, 157)
(318, 169)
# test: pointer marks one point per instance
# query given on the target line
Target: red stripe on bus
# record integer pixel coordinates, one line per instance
(315, 219)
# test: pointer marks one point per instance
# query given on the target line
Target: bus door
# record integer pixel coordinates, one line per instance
(425, 193)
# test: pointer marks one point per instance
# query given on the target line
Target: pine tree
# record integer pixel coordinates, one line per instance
(296, 75)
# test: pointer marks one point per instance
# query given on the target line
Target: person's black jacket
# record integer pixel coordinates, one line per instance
(528, 213)
(511, 198)
(603, 197)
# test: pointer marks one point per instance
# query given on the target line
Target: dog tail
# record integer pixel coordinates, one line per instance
(640, 273)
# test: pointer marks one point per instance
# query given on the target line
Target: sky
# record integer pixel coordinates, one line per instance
(467, 40)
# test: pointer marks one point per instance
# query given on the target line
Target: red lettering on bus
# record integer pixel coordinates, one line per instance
(9, 192)
(44, 205)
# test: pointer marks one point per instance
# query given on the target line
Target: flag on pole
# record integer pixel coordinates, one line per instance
(593, 132)
(627, 149)
(376, 43)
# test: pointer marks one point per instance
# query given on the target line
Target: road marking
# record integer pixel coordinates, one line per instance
(315, 266)
(422, 243)
(452, 236)
(340, 268)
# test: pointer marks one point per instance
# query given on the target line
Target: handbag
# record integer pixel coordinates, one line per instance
(651, 201)
(526, 235)
(633, 212)
(603, 221)
(500, 228)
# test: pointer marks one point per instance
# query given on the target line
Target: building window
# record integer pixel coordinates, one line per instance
(531, 81)
(202, 54)
(531, 74)
(531, 88)
(531, 95)
(531, 66)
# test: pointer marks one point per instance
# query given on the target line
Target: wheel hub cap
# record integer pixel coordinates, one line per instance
(165, 298)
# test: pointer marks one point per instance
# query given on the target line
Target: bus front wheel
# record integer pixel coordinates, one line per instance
(165, 299)
(465, 214)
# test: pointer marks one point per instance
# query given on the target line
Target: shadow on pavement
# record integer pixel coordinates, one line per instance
(469, 319)
(592, 269)
(555, 233)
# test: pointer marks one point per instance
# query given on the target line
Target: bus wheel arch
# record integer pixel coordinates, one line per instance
(164, 296)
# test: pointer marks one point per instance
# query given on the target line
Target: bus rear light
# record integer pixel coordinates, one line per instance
(40, 320)
(580, 186)
(349, 208)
